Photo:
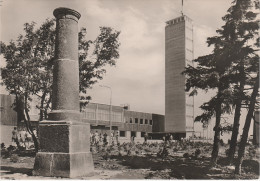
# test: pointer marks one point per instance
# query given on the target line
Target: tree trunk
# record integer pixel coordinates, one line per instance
(214, 154)
(249, 117)
(256, 122)
(29, 126)
(19, 107)
(21, 103)
(235, 129)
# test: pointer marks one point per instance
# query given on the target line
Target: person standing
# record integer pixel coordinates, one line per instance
(90, 137)
(21, 140)
(112, 137)
(171, 138)
(163, 138)
(133, 139)
(167, 138)
(105, 138)
(145, 137)
(14, 136)
(26, 140)
(100, 138)
(93, 138)
(117, 137)
(96, 138)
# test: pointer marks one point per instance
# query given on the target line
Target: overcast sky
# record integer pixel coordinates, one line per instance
(138, 78)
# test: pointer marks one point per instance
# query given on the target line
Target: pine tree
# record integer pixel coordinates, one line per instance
(210, 73)
(249, 117)
(240, 27)
(227, 69)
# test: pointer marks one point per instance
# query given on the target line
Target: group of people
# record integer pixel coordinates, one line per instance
(168, 138)
(99, 138)
(145, 136)
(22, 137)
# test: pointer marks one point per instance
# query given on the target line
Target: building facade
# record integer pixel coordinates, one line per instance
(8, 118)
(179, 106)
(128, 123)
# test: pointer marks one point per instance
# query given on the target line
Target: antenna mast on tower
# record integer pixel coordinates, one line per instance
(182, 7)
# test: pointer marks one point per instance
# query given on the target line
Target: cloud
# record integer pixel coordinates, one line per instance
(135, 80)
(139, 74)
(133, 24)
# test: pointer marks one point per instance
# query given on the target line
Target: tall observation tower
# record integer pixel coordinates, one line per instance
(179, 107)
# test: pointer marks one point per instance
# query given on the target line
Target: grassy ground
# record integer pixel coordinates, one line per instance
(144, 162)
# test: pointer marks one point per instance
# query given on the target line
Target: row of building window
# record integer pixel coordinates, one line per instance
(133, 133)
(142, 121)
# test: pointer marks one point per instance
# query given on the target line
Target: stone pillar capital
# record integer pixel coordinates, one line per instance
(61, 12)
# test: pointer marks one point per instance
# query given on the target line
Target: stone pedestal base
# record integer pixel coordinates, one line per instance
(64, 150)
(69, 165)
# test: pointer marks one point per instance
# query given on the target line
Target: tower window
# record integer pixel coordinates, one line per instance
(136, 120)
(141, 121)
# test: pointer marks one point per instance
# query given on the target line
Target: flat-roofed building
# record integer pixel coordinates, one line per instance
(128, 123)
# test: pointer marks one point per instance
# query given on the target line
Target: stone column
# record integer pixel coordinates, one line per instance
(64, 140)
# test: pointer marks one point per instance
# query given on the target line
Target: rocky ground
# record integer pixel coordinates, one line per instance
(146, 162)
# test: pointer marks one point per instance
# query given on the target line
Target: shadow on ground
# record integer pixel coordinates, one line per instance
(11, 170)
(186, 168)
(179, 168)
(249, 166)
